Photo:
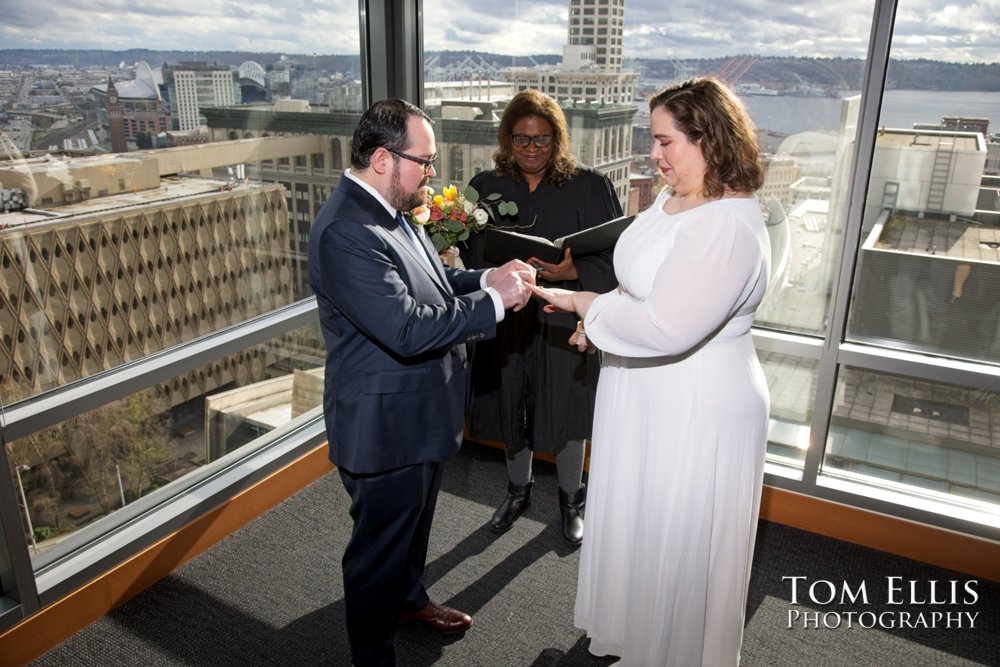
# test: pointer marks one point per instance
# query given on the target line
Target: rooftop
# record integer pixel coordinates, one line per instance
(932, 139)
(175, 187)
(952, 239)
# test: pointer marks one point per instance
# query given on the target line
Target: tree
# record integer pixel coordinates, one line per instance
(79, 461)
(127, 438)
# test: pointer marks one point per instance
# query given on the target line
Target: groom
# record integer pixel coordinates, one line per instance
(395, 322)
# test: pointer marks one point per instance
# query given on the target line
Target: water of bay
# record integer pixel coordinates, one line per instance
(900, 109)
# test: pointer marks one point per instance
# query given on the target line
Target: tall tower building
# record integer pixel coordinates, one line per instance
(116, 119)
(591, 70)
(595, 34)
(595, 93)
(192, 85)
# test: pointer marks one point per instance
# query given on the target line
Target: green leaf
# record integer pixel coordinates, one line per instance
(507, 208)
(454, 226)
(471, 194)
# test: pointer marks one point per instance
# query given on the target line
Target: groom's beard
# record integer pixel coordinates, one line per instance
(402, 200)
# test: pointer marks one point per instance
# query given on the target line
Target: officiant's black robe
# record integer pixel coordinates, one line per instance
(528, 383)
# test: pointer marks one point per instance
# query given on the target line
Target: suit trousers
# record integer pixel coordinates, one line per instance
(384, 560)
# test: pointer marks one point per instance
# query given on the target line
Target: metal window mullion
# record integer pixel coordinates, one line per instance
(873, 86)
(920, 366)
(13, 538)
(53, 407)
(392, 50)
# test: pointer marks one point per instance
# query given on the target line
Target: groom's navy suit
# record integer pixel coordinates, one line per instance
(395, 327)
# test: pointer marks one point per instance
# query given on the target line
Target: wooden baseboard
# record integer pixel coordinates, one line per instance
(54, 624)
(945, 548)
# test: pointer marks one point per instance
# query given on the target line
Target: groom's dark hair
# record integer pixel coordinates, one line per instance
(384, 124)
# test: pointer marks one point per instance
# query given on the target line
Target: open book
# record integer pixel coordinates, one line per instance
(503, 245)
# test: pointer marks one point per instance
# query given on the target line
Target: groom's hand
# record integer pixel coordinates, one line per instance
(512, 281)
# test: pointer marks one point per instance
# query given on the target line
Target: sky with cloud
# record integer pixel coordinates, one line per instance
(956, 31)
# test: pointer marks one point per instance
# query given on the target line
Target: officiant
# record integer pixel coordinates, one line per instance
(529, 389)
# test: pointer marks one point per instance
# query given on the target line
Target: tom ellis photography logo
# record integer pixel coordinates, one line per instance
(931, 604)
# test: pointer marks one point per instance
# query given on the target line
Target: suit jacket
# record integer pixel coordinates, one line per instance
(395, 328)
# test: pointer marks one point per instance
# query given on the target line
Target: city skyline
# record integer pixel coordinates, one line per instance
(964, 32)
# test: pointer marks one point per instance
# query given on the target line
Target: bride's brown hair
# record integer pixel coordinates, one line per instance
(705, 109)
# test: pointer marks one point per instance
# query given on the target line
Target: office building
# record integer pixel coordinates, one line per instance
(591, 69)
(593, 89)
(142, 107)
(193, 85)
(125, 261)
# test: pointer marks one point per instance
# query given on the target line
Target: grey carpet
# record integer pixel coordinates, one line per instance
(270, 594)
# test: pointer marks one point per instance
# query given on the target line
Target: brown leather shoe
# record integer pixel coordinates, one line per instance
(439, 618)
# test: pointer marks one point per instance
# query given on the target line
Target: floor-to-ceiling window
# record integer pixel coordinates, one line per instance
(155, 321)
(906, 93)
(925, 290)
(803, 97)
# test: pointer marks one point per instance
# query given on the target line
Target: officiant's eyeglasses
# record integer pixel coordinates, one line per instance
(426, 163)
(522, 140)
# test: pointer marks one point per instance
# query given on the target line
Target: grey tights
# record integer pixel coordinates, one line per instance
(569, 465)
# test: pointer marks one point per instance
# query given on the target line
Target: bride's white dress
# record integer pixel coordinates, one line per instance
(679, 435)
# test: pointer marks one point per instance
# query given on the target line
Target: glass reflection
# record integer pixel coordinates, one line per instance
(76, 472)
(792, 383)
(928, 276)
(918, 434)
(105, 282)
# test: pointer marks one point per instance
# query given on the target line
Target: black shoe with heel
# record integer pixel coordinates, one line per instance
(517, 500)
(571, 507)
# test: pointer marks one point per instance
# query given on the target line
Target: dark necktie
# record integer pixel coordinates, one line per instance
(406, 228)
(417, 243)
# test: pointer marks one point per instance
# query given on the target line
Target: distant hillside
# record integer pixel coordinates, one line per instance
(832, 72)
(82, 58)
(349, 65)
(844, 73)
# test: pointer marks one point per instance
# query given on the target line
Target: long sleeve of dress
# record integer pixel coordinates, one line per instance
(698, 287)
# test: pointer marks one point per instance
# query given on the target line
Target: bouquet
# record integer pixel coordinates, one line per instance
(451, 216)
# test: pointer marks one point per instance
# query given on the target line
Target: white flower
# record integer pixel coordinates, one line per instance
(421, 215)
(480, 215)
(468, 206)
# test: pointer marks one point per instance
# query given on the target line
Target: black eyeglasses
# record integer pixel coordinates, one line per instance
(426, 163)
(522, 140)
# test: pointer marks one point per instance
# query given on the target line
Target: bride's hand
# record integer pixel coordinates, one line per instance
(558, 300)
(564, 301)
(579, 339)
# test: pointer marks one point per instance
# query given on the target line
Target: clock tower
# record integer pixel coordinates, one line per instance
(116, 119)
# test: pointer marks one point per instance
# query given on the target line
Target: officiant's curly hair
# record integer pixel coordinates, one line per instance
(530, 102)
